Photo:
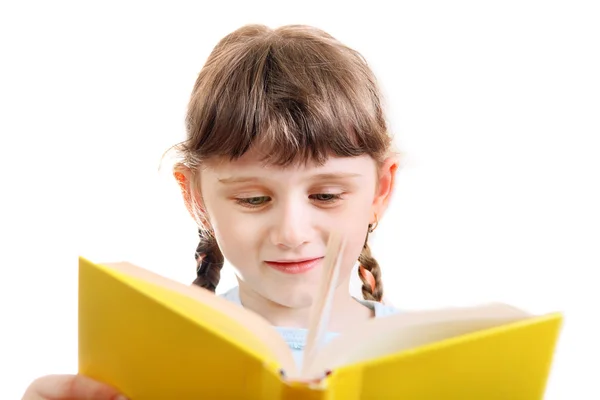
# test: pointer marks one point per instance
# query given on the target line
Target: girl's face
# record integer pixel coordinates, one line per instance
(272, 223)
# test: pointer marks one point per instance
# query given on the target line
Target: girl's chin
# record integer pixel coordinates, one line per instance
(292, 296)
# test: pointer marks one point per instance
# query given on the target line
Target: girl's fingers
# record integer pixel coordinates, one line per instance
(68, 387)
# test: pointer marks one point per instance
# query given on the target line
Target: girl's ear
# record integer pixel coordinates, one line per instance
(183, 176)
(385, 185)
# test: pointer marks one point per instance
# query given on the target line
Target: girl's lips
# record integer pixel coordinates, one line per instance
(294, 267)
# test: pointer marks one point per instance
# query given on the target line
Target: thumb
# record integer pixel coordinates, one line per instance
(63, 387)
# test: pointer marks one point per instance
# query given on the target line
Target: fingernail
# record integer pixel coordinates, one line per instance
(120, 397)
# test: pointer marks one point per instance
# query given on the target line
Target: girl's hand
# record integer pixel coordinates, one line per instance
(70, 387)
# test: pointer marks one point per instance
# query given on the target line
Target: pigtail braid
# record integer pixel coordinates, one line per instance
(368, 262)
(209, 261)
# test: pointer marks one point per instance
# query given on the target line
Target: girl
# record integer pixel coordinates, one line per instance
(286, 141)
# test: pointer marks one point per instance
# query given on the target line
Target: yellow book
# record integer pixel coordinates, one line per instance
(154, 338)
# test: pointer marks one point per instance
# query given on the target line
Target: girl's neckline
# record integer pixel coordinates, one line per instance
(379, 309)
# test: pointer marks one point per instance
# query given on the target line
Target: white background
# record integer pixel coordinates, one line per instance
(496, 107)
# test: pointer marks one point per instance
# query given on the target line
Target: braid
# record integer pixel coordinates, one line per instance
(209, 261)
(368, 262)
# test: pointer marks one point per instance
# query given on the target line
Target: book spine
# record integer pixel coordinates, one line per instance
(277, 386)
(303, 391)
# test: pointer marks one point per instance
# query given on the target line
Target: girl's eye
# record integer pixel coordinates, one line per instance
(253, 201)
(326, 197)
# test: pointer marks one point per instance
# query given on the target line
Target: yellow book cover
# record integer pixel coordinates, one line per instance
(154, 338)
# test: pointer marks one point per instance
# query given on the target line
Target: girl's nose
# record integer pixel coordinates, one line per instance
(291, 226)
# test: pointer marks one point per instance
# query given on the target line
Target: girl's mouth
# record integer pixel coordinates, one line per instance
(294, 267)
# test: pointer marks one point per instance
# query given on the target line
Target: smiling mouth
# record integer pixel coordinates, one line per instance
(294, 267)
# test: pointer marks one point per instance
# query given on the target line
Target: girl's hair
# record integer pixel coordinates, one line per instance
(297, 95)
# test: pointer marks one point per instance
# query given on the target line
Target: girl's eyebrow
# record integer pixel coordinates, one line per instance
(335, 176)
(238, 179)
(323, 176)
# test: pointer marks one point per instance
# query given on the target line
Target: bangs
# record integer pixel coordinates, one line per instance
(290, 99)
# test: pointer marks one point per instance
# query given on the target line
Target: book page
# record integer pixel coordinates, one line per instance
(321, 309)
(383, 336)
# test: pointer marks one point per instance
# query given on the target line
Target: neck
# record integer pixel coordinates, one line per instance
(345, 310)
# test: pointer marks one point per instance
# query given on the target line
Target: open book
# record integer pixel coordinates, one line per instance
(154, 338)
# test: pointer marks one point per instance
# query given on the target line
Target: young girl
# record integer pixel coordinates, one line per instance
(286, 141)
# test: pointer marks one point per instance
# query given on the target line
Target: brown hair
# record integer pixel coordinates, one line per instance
(295, 93)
